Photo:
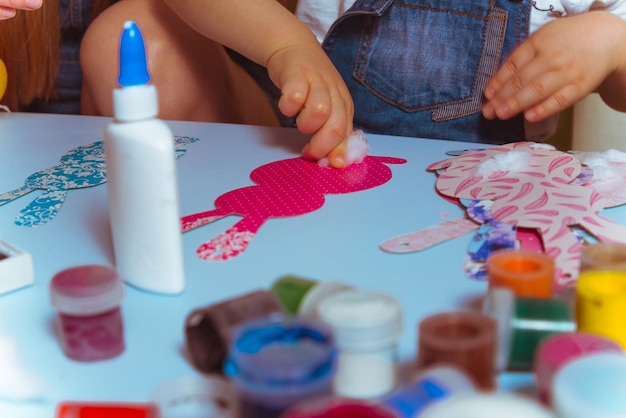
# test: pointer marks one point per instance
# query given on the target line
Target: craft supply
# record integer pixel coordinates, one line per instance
(279, 361)
(523, 323)
(301, 296)
(528, 273)
(208, 329)
(466, 340)
(558, 350)
(367, 326)
(488, 405)
(591, 386)
(431, 385)
(336, 407)
(16, 268)
(601, 304)
(106, 410)
(196, 397)
(142, 178)
(87, 299)
(603, 256)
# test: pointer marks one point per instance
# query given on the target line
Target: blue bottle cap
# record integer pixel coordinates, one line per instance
(133, 62)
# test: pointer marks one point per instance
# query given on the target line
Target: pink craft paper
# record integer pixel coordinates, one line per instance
(540, 197)
(283, 188)
(430, 236)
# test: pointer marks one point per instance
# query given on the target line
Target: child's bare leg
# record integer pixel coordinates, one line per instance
(195, 78)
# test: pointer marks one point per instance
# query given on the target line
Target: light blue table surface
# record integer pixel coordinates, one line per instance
(340, 241)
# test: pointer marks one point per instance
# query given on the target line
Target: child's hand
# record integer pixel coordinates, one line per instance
(8, 8)
(313, 90)
(556, 66)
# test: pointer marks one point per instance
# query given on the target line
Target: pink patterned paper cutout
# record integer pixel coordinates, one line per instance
(283, 188)
(429, 237)
(540, 197)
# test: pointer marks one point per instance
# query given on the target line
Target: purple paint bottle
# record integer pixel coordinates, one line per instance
(87, 299)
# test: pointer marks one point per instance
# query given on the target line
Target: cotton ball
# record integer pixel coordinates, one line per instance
(505, 161)
(356, 151)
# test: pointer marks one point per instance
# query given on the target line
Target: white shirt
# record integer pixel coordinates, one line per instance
(319, 15)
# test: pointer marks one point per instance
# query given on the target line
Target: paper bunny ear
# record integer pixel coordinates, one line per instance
(3, 79)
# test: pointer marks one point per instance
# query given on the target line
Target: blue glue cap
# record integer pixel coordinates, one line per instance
(133, 63)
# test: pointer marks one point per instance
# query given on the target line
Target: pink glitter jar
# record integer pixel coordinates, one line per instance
(89, 321)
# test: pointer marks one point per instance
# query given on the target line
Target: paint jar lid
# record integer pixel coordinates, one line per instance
(337, 407)
(196, 397)
(362, 319)
(528, 273)
(603, 256)
(86, 290)
(591, 386)
(499, 303)
(557, 350)
(290, 290)
(319, 292)
(281, 355)
(487, 405)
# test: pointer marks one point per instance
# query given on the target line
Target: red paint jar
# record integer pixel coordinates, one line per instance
(89, 322)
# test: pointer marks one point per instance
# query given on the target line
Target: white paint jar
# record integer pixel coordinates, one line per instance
(367, 326)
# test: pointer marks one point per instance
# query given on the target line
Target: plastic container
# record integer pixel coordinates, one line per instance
(196, 397)
(367, 326)
(601, 304)
(278, 362)
(489, 405)
(337, 407)
(142, 179)
(208, 329)
(527, 273)
(429, 386)
(464, 339)
(523, 323)
(89, 319)
(603, 256)
(106, 410)
(591, 386)
(558, 350)
(301, 296)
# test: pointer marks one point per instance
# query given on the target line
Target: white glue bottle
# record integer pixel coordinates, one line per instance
(142, 178)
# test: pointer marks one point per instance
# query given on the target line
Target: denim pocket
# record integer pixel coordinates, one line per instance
(420, 55)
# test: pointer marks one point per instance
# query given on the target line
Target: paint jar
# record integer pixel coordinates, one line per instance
(527, 273)
(601, 304)
(558, 350)
(89, 319)
(279, 361)
(108, 409)
(337, 407)
(523, 323)
(196, 397)
(591, 386)
(367, 326)
(208, 329)
(466, 340)
(300, 296)
(603, 256)
(429, 386)
(488, 405)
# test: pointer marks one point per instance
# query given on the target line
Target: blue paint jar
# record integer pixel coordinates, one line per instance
(278, 361)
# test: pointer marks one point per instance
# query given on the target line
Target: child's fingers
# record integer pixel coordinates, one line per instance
(316, 109)
(293, 96)
(7, 13)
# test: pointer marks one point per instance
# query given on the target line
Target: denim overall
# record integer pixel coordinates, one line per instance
(75, 16)
(419, 67)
